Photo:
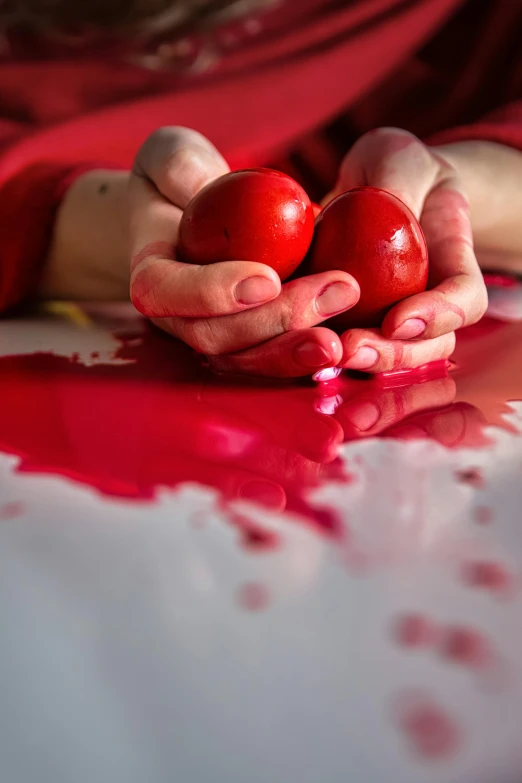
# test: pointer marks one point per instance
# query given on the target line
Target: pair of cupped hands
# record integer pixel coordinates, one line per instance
(239, 314)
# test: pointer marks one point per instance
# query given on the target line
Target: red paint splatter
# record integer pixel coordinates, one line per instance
(433, 734)
(483, 515)
(254, 597)
(488, 575)
(253, 536)
(12, 510)
(471, 476)
(466, 647)
(416, 631)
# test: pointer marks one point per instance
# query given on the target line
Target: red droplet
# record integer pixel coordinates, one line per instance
(430, 729)
(488, 575)
(253, 596)
(12, 510)
(471, 476)
(253, 536)
(483, 515)
(415, 630)
(466, 647)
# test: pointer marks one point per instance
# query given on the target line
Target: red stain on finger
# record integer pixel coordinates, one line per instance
(153, 249)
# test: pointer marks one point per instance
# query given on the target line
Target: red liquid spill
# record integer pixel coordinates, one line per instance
(11, 510)
(127, 430)
(489, 575)
(416, 631)
(433, 734)
(253, 597)
(466, 647)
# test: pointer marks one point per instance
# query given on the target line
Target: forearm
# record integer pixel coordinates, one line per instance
(492, 177)
(88, 256)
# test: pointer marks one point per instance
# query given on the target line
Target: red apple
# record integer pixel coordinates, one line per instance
(371, 234)
(252, 215)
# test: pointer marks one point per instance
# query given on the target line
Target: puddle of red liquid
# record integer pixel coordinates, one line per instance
(127, 430)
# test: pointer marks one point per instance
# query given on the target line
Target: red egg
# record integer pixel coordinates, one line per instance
(251, 215)
(371, 234)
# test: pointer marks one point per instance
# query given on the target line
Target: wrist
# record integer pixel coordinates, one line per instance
(88, 255)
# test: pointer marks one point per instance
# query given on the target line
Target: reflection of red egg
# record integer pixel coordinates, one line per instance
(251, 215)
(371, 234)
(317, 209)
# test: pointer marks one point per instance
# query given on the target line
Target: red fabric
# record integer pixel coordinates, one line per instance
(333, 64)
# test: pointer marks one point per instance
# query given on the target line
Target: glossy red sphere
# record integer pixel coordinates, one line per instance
(371, 234)
(251, 215)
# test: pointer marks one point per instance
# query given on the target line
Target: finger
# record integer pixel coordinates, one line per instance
(377, 410)
(394, 160)
(303, 303)
(179, 162)
(460, 425)
(458, 295)
(291, 355)
(367, 350)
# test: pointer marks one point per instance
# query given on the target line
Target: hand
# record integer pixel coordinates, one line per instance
(421, 328)
(237, 313)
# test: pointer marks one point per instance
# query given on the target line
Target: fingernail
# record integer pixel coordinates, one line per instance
(334, 298)
(413, 327)
(311, 355)
(364, 416)
(362, 359)
(255, 290)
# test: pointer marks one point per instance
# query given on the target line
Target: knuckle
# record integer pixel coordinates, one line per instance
(200, 334)
(289, 316)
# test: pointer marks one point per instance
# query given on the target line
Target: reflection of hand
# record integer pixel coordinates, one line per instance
(421, 328)
(421, 410)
